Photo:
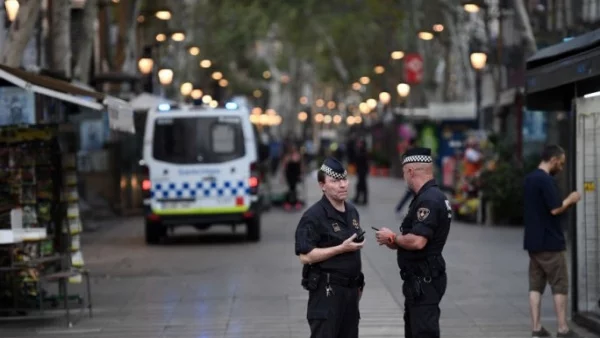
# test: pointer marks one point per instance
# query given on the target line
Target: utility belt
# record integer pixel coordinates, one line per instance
(415, 273)
(312, 274)
(428, 268)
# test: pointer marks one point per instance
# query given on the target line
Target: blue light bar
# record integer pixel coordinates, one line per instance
(164, 107)
(231, 105)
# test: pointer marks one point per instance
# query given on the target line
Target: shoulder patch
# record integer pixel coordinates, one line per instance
(422, 214)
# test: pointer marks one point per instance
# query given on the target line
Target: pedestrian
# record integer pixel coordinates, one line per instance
(293, 171)
(362, 170)
(419, 246)
(544, 239)
(328, 243)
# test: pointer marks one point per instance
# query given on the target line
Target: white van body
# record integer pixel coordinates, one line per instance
(201, 164)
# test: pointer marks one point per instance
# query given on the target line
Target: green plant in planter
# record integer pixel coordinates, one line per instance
(503, 186)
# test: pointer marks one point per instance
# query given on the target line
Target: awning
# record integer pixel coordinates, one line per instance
(564, 63)
(120, 112)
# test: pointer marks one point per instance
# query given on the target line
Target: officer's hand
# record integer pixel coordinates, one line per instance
(384, 236)
(349, 245)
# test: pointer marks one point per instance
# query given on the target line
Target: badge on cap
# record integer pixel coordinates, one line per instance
(422, 214)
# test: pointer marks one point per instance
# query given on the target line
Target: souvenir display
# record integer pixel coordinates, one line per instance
(38, 193)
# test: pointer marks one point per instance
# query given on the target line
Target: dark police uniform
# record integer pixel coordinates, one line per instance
(333, 284)
(424, 271)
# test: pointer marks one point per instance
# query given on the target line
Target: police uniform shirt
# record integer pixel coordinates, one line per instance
(323, 226)
(429, 215)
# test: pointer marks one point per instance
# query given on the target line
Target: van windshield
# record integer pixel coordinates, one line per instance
(191, 140)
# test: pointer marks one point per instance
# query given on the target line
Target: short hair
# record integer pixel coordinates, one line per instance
(551, 151)
(321, 176)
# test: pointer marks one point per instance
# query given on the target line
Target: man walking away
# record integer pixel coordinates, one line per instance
(545, 240)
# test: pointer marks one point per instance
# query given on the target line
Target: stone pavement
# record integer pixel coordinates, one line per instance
(215, 284)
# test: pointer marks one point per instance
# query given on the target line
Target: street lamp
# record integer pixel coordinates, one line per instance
(424, 35)
(178, 36)
(205, 63)
(197, 94)
(473, 6)
(397, 55)
(186, 88)
(302, 116)
(478, 60)
(217, 76)
(145, 65)
(403, 89)
(385, 97)
(12, 9)
(165, 76)
(379, 69)
(337, 119)
(194, 50)
(163, 14)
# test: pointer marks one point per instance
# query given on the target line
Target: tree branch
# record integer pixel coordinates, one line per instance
(338, 63)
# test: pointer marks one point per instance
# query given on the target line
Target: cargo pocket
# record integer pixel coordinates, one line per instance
(318, 304)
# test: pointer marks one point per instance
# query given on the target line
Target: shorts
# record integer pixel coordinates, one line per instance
(550, 268)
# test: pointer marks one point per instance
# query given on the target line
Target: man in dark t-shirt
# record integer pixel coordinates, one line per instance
(545, 240)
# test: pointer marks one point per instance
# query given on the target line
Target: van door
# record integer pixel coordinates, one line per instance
(200, 165)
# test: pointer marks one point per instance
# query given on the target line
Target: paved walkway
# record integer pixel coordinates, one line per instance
(217, 285)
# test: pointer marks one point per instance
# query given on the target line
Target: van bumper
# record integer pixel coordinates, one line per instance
(203, 219)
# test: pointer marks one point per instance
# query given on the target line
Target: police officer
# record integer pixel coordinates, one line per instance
(419, 246)
(328, 242)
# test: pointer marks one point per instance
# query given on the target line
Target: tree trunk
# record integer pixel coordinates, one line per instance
(20, 32)
(60, 35)
(128, 12)
(83, 56)
(523, 17)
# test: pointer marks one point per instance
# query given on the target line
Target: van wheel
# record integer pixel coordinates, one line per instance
(253, 226)
(155, 232)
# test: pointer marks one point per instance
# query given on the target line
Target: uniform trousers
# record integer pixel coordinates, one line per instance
(333, 316)
(422, 313)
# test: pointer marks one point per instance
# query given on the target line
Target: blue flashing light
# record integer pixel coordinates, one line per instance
(567, 38)
(231, 105)
(164, 107)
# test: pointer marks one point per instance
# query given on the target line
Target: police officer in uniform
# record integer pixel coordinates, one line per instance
(419, 246)
(328, 243)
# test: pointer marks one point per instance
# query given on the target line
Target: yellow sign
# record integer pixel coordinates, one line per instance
(589, 186)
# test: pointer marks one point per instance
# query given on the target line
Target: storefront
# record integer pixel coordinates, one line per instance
(40, 223)
(565, 79)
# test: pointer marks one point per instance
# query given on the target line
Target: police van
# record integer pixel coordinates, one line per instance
(202, 166)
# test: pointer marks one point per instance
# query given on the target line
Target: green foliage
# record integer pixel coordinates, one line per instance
(503, 186)
(360, 30)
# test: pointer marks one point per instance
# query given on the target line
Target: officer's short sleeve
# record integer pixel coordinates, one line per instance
(306, 235)
(426, 218)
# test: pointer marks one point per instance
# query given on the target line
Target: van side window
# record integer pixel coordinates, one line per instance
(223, 138)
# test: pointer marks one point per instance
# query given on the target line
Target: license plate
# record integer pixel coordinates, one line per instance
(176, 205)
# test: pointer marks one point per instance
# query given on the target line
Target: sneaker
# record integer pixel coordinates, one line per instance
(287, 206)
(541, 333)
(298, 206)
(568, 334)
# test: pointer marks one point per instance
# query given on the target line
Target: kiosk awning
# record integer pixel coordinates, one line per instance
(120, 112)
(564, 63)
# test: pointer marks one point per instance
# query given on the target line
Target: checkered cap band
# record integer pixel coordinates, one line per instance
(330, 172)
(417, 159)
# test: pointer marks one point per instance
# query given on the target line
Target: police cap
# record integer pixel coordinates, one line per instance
(334, 168)
(417, 155)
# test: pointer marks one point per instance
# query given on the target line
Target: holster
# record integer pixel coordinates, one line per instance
(414, 275)
(310, 277)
